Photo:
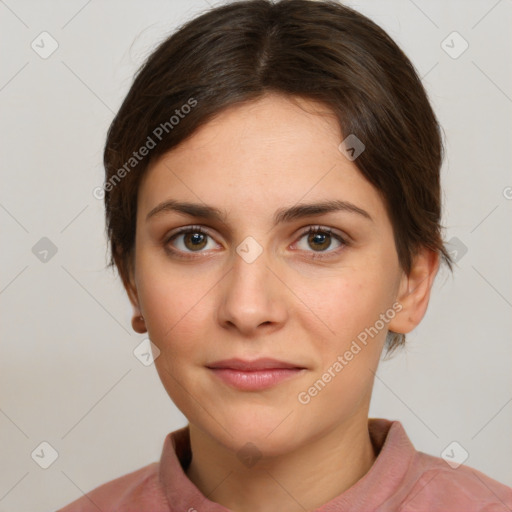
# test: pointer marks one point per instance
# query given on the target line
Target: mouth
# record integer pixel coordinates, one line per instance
(254, 375)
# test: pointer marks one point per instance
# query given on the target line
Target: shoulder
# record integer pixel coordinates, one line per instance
(437, 486)
(138, 490)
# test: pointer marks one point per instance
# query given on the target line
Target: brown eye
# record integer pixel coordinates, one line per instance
(321, 240)
(192, 239)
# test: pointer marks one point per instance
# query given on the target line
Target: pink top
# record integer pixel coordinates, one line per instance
(401, 479)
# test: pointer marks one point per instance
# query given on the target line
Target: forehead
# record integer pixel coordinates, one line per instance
(262, 154)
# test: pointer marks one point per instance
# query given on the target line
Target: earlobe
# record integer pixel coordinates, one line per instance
(138, 323)
(414, 291)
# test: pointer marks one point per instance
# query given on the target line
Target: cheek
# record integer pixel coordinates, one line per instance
(176, 308)
(344, 304)
(174, 303)
(349, 351)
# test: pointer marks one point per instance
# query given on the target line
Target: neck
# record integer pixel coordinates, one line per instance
(304, 479)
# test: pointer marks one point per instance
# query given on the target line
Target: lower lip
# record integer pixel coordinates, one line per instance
(255, 380)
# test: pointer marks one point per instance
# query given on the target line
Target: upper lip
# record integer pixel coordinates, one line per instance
(257, 364)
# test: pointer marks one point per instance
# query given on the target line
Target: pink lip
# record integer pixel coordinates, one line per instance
(254, 375)
(263, 363)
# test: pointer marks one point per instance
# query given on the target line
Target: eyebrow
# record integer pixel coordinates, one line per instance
(282, 215)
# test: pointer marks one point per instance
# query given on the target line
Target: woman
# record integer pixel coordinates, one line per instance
(273, 207)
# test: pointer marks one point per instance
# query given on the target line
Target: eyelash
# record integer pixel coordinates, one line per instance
(308, 231)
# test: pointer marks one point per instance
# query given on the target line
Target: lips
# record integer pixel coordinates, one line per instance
(254, 375)
(258, 364)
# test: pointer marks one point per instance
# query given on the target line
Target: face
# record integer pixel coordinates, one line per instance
(239, 285)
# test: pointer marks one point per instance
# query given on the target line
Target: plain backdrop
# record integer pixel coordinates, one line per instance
(68, 375)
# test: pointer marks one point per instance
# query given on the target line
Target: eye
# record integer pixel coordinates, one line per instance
(321, 239)
(189, 240)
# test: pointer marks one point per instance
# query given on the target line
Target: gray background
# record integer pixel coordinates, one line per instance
(68, 375)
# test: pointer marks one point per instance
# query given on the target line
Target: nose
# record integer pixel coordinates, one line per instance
(252, 297)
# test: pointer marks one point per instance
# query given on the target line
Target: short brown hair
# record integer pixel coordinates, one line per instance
(319, 50)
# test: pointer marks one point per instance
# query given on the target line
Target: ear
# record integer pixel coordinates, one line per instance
(129, 283)
(414, 291)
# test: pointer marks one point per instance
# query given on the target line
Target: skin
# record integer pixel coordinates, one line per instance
(250, 161)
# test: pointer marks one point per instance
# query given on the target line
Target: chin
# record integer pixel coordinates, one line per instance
(262, 446)
(259, 436)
